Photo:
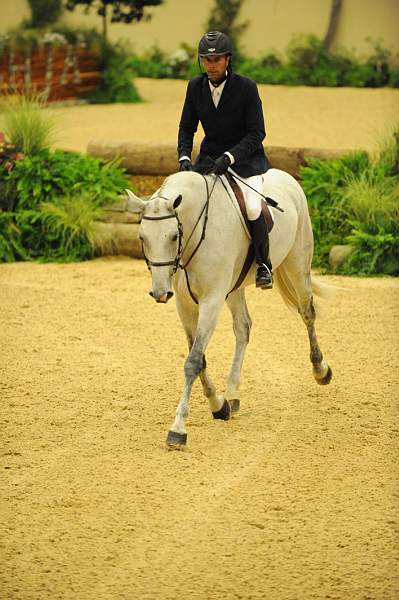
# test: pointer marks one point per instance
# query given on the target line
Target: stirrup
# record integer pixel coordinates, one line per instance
(264, 277)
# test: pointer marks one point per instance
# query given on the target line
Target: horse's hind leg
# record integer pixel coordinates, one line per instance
(241, 326)
(296, 287)
(321, 370)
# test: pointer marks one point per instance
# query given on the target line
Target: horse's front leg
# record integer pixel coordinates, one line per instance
(188, 313)
(242, 327)
(195, 365)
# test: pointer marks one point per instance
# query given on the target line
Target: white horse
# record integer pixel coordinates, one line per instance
(194, 239)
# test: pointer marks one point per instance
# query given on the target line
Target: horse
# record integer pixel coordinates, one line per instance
(194, 240)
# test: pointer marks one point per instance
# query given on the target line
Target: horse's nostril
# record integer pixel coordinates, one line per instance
(169, 294)
(151, 294)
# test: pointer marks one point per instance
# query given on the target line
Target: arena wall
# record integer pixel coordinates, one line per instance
(271, 24)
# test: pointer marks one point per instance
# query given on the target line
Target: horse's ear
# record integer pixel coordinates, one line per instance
(134, 204)
(177, 202)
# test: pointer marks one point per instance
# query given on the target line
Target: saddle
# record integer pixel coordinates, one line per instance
(268, 222)
(241, 203)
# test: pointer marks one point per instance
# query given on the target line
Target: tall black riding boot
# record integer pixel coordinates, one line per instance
(260, 241)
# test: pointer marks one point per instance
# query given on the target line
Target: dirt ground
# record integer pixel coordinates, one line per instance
(338, 118)
(294, 499)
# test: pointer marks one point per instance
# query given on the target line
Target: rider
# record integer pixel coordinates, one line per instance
(230, 111)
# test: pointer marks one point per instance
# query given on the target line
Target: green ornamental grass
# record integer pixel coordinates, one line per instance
(71, 222)
(27, 124)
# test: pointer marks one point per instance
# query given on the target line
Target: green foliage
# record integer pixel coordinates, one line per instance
(307, 63)
(310, 63)
(123, 11)
(47, 176)
(27, 124)
(155, 63)
(69, 227)
(11, 247)
(355, 200)
(44, 12)
(26, 37)
(117, 82)
(55, 198)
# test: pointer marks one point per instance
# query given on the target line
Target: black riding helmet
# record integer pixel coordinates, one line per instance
(214, 43)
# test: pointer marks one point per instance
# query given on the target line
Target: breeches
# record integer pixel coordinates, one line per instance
(253, 201)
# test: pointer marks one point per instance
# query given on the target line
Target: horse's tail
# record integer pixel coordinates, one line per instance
(288, 293)
(324, 290)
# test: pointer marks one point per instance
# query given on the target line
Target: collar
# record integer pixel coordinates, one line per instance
(219, 87)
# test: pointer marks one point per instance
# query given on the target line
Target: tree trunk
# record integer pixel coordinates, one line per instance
(105, 24)
(336, 6)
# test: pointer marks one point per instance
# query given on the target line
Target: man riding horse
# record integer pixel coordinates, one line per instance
(230, 111)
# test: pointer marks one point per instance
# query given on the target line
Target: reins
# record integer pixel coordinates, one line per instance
(205, 209)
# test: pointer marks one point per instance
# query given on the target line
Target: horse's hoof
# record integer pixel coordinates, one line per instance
(235, 405)
(176, 440)
(326, 379)
(224, 413)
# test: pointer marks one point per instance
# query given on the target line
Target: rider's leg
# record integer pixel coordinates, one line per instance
(258, 230)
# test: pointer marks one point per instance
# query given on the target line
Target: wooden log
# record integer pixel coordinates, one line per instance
(117, 238)
(161, 159)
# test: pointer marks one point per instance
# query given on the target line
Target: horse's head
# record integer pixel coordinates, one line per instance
(161, 235)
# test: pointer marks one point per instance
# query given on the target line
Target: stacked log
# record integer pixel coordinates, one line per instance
(118, 233)
(161, 159)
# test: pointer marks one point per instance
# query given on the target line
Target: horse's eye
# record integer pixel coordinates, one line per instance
(174, 237)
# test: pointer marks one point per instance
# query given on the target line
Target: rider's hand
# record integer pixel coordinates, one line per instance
(185, 165)
(221, 165)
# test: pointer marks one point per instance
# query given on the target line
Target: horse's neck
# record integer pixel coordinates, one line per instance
(194, 190)
(207, 211)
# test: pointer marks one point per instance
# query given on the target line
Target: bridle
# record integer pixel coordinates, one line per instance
(176, 262)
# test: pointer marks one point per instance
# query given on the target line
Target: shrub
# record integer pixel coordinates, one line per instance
(55, 197)
(117, 81)
(355, 200)
(307, 63)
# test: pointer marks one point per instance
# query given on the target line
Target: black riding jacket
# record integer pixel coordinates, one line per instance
(236, 125)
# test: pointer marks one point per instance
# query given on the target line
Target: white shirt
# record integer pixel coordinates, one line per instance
(216, 92)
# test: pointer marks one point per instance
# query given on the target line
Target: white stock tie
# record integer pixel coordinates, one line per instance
(216, 96)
